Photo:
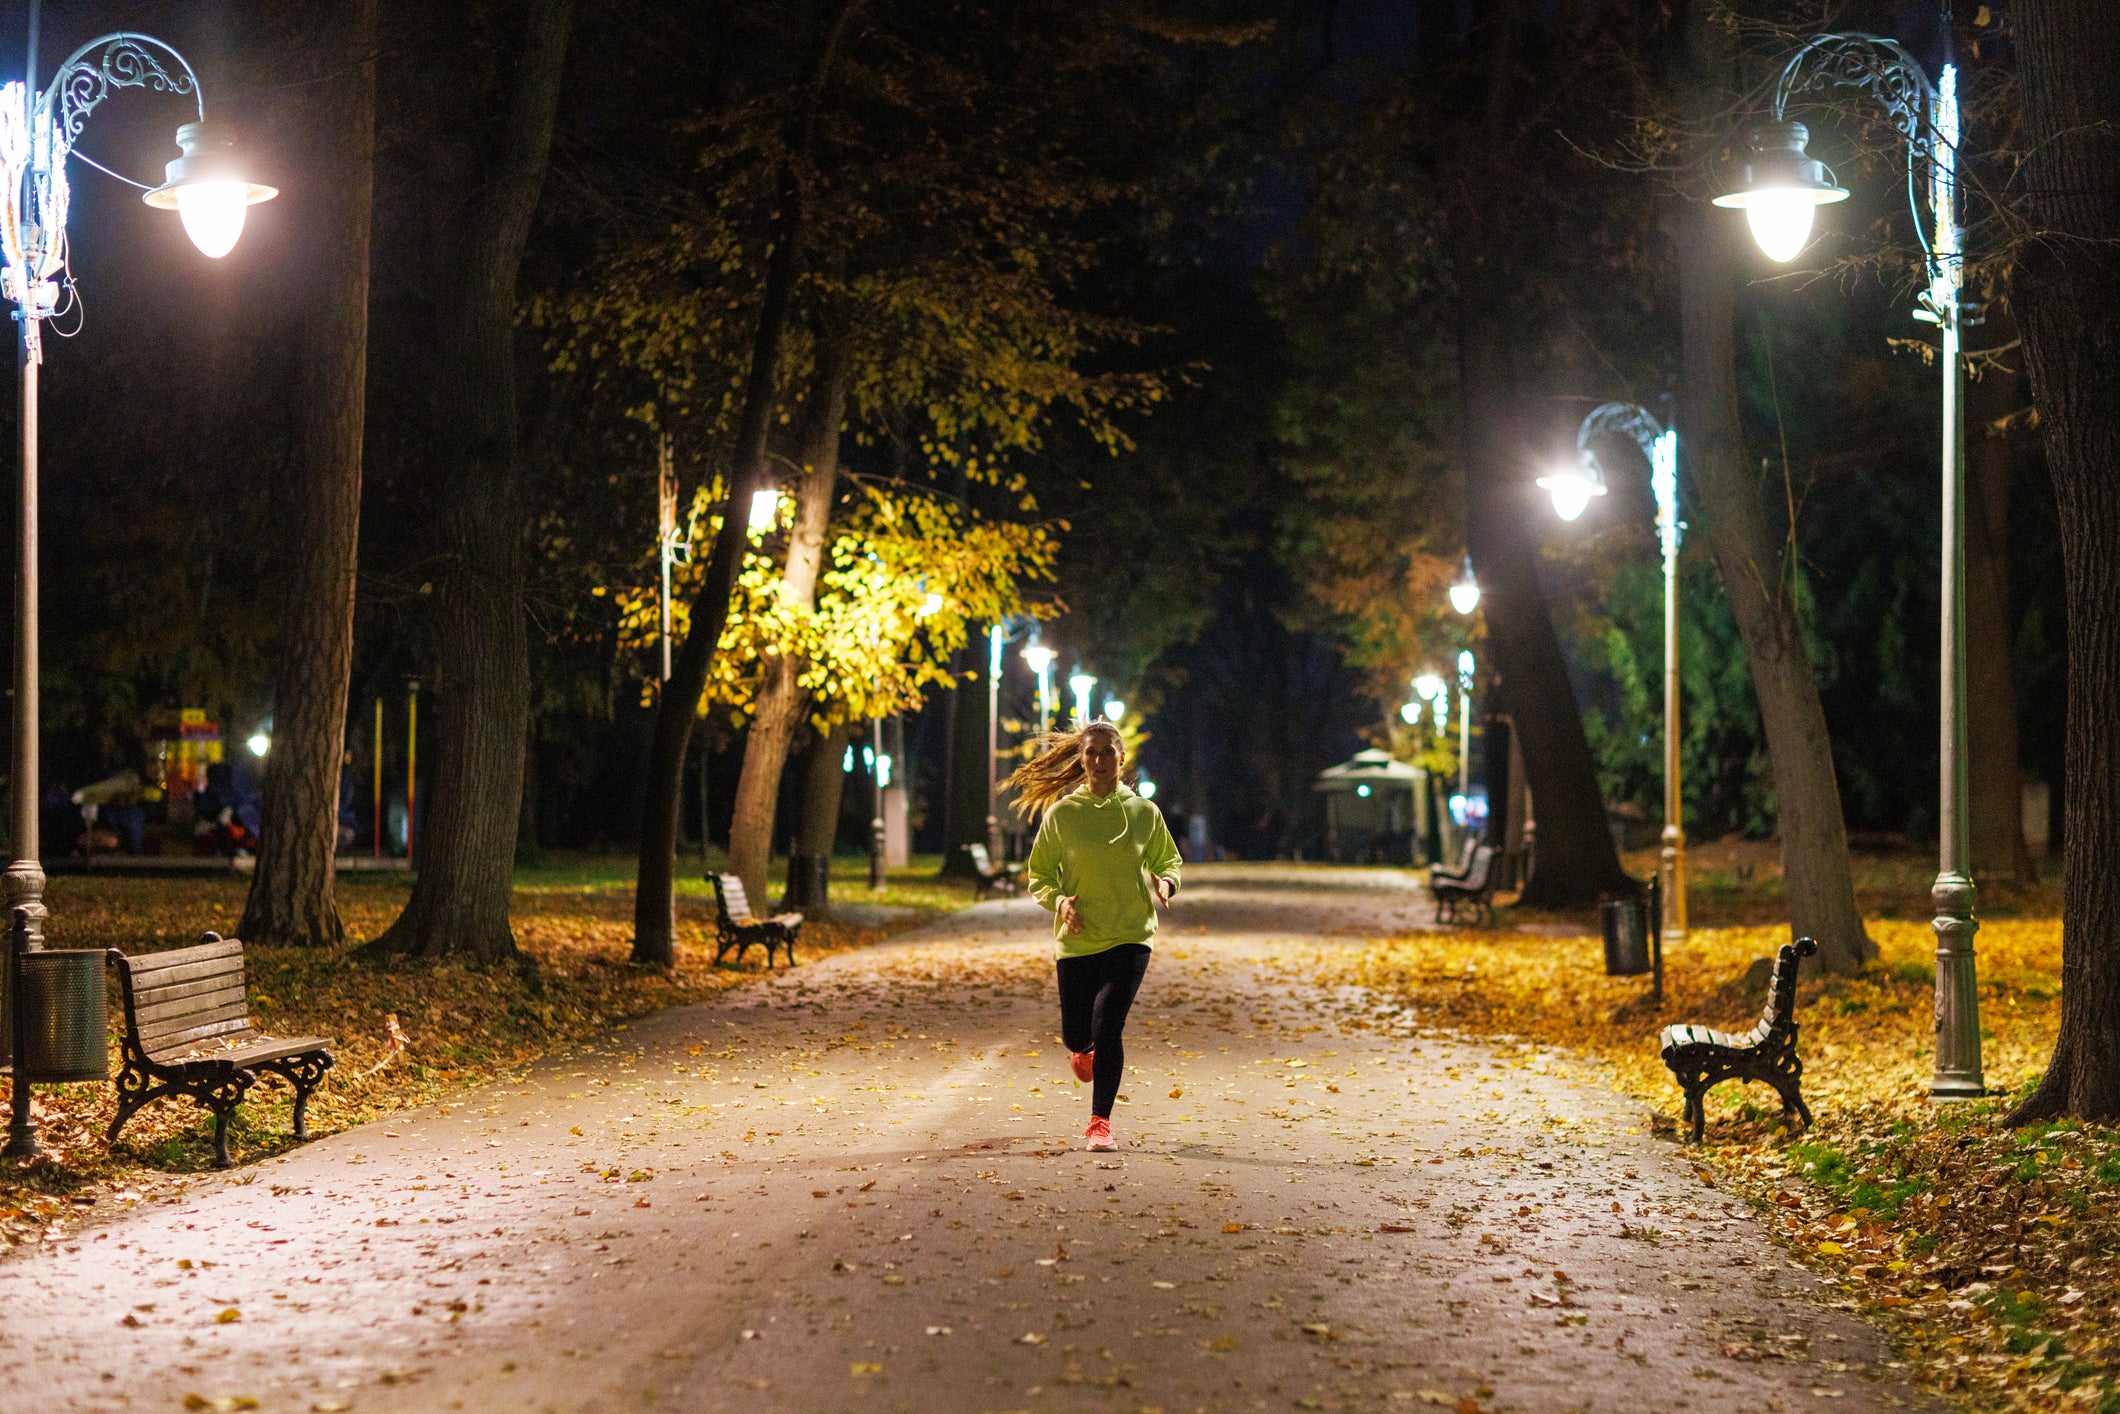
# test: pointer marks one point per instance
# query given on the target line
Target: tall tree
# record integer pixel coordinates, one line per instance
(2066, 293)
(782, 702)
(292, 895)
(1997, 788)
(490, 111)
(1759, 575)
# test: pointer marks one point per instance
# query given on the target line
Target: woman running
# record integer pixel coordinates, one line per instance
(1104, 862)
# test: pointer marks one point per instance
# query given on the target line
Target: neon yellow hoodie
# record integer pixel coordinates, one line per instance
(1100, 850)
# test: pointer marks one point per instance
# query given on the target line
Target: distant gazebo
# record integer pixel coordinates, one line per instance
(1377, 810)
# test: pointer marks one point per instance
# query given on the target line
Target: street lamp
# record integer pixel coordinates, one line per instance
(996, 635)
(207, 188)
(1659, 446)
(1465, 589)
(1573, 487)
(1465, 723)
(1040, 659)
(1082, 683)
(1114, 709)
(1926, 115)
(879, 777)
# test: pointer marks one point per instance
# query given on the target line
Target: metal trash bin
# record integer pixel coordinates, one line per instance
(65, 1018)
(1626, 927)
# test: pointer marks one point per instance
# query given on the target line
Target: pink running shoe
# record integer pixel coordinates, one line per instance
(1084, 1063)
(1099, 1133)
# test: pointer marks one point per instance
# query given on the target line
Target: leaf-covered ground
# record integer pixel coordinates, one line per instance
(456, 1023)
(1993, 1255)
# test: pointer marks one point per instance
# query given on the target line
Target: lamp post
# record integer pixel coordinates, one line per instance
(1572, 490)
(1782, 189)
(1040, 659)
(1082, 683)
(879, 772)
(1465, 724)
(996, 635)
(210, 194)
(672, 549)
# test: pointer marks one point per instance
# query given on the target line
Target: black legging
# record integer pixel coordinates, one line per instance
(1095, 994)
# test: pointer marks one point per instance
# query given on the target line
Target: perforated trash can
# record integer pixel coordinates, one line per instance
(1626, 926)
(65, 1018)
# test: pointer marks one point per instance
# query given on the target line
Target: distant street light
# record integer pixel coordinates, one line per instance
(765, 510)
(1465, 589)
(996, 635)
(1660, 446)
(1114, 709)
(1784, 187)
(1428, 687)
(208, 189)
(1410, 713)
(1464, 723)
(1040, 659)
(259, 743)
(1082, 683)
(1573, 488)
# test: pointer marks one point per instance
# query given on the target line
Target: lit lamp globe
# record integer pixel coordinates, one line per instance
(1428, 687)
(1465, 589)
(1780, 190)
(208, 189)
(1038, 657)
(1573, 489)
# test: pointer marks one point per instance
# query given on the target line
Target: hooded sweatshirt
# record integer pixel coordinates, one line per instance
(1100, 850)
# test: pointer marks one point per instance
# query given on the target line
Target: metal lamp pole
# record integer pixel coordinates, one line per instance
(995, 637)
(1783, 189)
(37, 133)
(876, 826)
(1572, 490)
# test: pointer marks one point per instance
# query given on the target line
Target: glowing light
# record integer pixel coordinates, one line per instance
(1781, 222)
(1039, 657)
(259, 744)
(883, 771)
(1147, 790)
(1429, 686)
(1362, 791)
(847, 762)
(1465, 590)
(1465, 664)
(1114, 709)
(1081, 683)
(931, 603)
(212, 213)
(1572, 491)
(765, 509)
(1410, 713)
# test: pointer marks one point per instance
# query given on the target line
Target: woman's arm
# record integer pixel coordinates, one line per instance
(1161, 858)
(1044, 868)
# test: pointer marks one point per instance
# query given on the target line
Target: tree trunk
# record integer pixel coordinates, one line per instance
(1575, 862)
(823, 783)
(292, 895)
(1758, 574)
(654, 895)
(2067, 298)
(473, 794)
(782, 701)
(1997, 802)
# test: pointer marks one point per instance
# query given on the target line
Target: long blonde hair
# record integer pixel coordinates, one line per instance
(1056, 769)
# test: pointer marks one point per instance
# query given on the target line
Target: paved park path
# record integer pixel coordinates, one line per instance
(860, 1185)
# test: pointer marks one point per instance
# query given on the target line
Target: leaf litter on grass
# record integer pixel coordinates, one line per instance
(406, 1032)
(1991, 1255)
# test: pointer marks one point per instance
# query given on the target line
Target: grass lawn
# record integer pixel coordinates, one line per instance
(407, 1032)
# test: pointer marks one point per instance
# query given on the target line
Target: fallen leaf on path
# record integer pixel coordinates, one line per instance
(1396, 1227)
(1232, 1227)
(1030, 1338)
(864, 1367)
(230, 1314)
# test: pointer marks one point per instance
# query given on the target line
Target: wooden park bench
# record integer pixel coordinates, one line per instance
(1701, 1059)
(989, 877)
(737, 927)
(188, 1032)
(1475, 889)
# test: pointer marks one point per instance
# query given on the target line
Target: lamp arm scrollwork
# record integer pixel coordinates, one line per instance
(1879, 67)
(122, 60)
(1625, 419)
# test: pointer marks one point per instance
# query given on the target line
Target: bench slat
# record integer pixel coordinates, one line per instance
(186, 1039)
(197, 952)
(252, 1053)
(177, 1029)
(228, 1009)
(227, 997)
(144, 997)
(199, 971)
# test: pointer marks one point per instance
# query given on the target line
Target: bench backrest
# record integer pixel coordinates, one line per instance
(180, 999)
(980, 860)
(728, 892)
(1482, 869)
(1780, 1012)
